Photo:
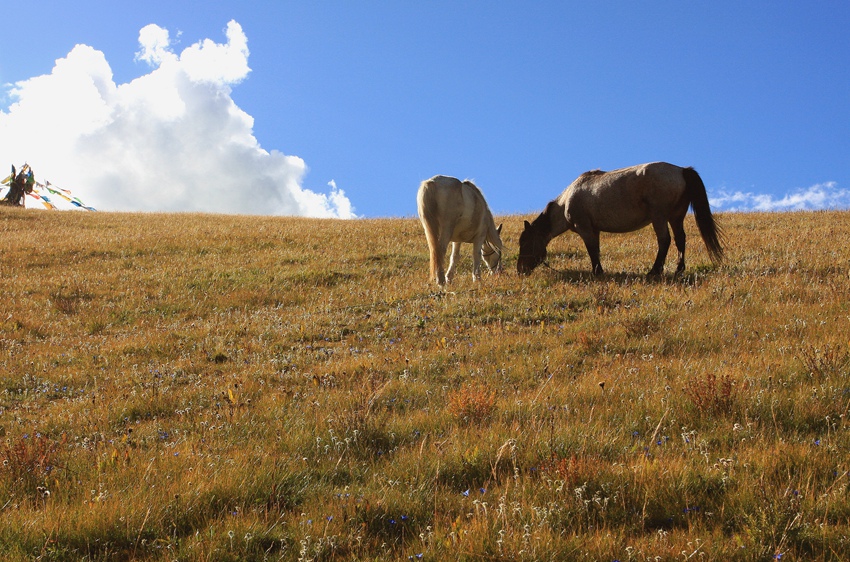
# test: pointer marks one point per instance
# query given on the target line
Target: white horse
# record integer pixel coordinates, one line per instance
(455, 211)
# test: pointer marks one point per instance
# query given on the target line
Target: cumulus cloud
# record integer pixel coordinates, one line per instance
(170, 140)
(819, 196)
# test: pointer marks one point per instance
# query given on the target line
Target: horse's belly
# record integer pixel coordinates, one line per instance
(622, 226)
(464, 234)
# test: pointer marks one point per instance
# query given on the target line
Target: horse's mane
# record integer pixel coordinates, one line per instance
(543, 222)
(479, 192)
(472, 185)
(590, 174)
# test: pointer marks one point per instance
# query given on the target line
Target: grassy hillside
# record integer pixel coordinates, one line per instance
(243, 388)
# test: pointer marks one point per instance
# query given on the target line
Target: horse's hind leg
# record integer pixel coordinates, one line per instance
(678, 226)
(438, 259)
(453, 261)
(662, 233)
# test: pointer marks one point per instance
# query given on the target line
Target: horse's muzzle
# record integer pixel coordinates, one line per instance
(524, 268)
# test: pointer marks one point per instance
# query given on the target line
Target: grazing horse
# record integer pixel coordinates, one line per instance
(455, 211)
(622, 201)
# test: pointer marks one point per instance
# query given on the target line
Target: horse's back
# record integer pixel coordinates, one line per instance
(457, 206)
(625, 199)
(438, 193)
(440, 183)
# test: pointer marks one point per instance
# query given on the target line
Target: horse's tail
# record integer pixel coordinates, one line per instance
(427, 208)
(711, 233)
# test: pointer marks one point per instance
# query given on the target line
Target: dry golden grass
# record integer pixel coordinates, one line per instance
(242, 388)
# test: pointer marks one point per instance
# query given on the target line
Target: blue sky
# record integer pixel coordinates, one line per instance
(374, 97)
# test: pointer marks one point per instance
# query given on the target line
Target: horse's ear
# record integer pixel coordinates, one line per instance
(527, 224)
(499, 230)
(13, 170)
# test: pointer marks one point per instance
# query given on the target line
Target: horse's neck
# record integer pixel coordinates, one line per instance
(557, 219)
(493, 234)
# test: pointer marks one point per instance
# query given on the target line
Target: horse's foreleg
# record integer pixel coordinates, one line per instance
(591, 242)
(679, 237)
(453, 261)
(476, 260)
(662, 233)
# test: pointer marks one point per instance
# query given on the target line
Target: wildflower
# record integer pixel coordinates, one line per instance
(817, 442)
(466, 493)
(482, 490)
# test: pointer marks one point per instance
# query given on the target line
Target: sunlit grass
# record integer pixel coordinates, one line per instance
(249, 388)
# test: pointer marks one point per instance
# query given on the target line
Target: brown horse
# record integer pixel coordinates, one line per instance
(454, 211)
(622, 201)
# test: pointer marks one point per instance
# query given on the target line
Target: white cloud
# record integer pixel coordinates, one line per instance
(819, 196)
(154, 42)
(171, 140)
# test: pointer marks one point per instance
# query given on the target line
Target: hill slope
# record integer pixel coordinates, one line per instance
(219, 387)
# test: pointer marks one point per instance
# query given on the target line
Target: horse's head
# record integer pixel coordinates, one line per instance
(532, 248)
(491, 251)
(492, 256)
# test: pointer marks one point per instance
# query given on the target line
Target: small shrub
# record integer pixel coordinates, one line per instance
(711, 395)
(472, 404)
(642, 327)
(68, 302)
(822, 363)
(27, 463)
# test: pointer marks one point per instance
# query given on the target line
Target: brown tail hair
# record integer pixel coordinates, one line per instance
(710, 231)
